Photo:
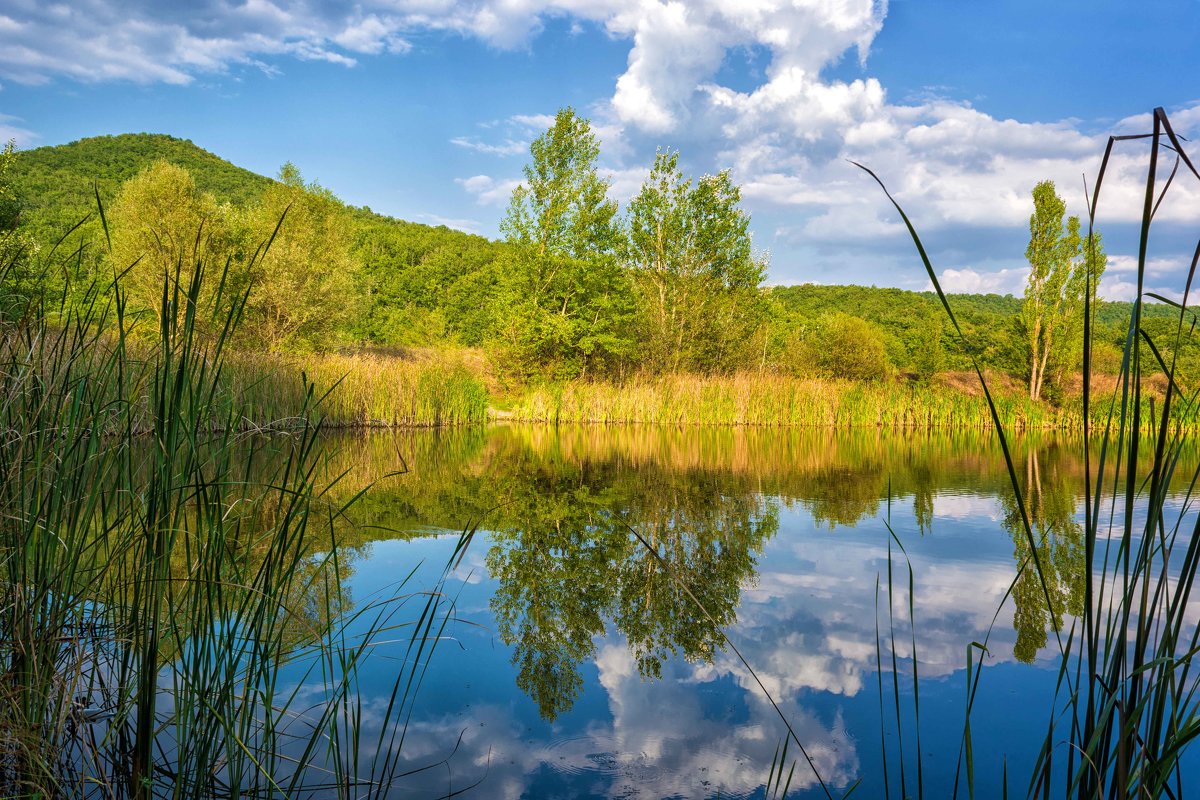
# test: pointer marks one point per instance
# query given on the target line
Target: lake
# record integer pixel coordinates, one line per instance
(576, 663)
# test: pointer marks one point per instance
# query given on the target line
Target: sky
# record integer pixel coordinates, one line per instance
(424, 110)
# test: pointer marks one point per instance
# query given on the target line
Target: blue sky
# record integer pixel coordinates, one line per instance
(424, 109)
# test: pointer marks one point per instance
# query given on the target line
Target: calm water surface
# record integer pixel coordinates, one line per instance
(576, 665)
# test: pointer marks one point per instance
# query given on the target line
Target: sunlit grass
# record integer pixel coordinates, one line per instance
(776, 400)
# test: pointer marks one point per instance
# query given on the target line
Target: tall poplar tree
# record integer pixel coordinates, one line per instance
(1059, 268)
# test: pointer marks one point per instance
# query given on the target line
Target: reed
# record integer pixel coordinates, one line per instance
(156, 587)
(1125, 707)
(774, 400)
(359, 390)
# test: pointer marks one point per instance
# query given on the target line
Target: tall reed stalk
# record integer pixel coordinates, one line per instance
(1125, 705)
(168, 610)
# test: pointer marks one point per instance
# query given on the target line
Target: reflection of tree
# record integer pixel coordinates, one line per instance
(566, 563)
(923, 490)
(841, 494)
(1050, 501)
(708, 542)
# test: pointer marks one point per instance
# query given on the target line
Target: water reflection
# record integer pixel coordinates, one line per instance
(567, 565)
(561, 505)
(1049, 483)
(776, 533)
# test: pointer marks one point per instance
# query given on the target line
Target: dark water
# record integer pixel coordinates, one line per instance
(577, 664)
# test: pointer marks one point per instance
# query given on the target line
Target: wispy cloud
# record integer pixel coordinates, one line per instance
(489, 191)
(464, 225)
(508, 147)
(11, 129)
(787, 136)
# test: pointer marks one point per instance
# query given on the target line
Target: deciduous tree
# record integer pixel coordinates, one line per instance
(562, 305)
(304, 286)
(696, 278)
(16, 249)
(1061, 271)
(162, 227)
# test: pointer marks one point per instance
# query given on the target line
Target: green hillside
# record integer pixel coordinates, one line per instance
(57, 184)
(422, 285)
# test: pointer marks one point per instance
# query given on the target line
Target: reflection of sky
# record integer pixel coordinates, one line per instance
(807, 625)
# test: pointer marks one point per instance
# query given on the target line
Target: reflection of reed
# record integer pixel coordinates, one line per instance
(450, 478)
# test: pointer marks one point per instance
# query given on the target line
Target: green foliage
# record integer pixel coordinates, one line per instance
(562, 208)
(842, 346)
(422, 285)
(162, 227)
(18, 285)
(928, 352)
(575, 291)
(563, 304)
(58, 183)
(306, 288)
(419, 284)
(1061, 272)
(168, 603)
(695, 278)
(10, 203)
(560, 317)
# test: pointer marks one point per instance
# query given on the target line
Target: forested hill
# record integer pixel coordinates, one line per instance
(408, 284)
(57, 185)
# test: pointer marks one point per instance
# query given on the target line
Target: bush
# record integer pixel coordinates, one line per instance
(840, 346)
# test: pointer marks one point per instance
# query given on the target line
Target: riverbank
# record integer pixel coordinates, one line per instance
(434, 388)
(419, 388)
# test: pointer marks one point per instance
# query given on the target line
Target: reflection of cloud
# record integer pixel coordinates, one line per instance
(963, 506)
(688, 747)
(812, 627)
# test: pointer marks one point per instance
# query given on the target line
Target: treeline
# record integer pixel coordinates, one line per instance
(578, 288)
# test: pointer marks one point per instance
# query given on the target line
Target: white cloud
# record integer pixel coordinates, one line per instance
(970, 281)
(508, 147)
(464, 225)
(1126, 290)
(787, 138)
(489, 191)
(1155, 267)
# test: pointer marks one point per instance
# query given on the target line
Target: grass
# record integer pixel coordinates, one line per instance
(168, 609)
(360, 390)
(773, 400)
